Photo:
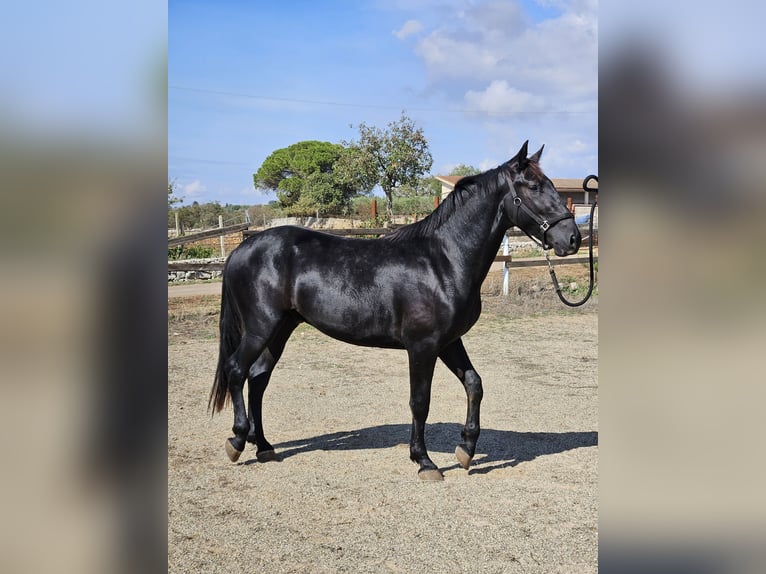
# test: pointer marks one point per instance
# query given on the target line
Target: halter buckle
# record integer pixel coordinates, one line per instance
(545, 225)
(517, 201)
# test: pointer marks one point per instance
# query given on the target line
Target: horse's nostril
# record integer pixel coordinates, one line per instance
(573, 241)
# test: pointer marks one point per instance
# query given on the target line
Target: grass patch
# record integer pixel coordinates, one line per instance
(193, 317)
(576, 287)
(526, 252)
(193, 251)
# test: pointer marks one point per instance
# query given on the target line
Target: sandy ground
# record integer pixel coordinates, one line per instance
(346, 498)
(194, 289)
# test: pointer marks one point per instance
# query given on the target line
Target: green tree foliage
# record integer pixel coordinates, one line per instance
(413, 206)
(205, 215)
(431, 186)
(196, 215)
(305, 178)
(263, 214)
(424, 187)
(464, 170)
(172, 200)
(393, 157)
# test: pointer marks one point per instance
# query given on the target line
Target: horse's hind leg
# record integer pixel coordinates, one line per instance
(254, 341)
(456, 359)
(236, 371)
(258, 380)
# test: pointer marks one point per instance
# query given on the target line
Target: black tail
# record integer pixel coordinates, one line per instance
(231, 335)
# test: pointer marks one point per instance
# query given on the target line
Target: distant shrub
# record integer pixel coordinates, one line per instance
(191, 252)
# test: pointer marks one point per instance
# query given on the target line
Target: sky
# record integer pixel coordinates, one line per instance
(479, 77)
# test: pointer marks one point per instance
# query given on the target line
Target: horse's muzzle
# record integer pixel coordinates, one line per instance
(568, 244)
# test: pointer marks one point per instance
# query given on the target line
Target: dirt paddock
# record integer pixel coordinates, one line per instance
(346, 498)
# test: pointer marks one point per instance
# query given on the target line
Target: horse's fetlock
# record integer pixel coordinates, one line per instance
(241, 429)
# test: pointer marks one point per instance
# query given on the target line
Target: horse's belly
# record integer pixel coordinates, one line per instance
(362, 339)
(365, 327)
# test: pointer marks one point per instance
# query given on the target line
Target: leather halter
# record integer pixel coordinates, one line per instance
(545, 224)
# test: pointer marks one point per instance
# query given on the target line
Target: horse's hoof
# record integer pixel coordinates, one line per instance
(463, 457)
(431, 474)
(232, 451)
(266, 456)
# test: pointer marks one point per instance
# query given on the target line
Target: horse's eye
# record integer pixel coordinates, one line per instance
(533, 187)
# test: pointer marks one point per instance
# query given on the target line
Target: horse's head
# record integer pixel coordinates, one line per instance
(533, 205)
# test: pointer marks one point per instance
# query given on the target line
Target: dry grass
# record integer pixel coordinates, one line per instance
(194, 316)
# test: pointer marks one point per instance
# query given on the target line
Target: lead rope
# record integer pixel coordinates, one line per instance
(590, 254)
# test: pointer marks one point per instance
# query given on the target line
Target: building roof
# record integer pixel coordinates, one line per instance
(450, 180)
(561, 184)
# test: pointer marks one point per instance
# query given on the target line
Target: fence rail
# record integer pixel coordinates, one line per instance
(207, 234)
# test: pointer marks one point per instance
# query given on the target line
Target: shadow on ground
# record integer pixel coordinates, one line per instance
(496, 449)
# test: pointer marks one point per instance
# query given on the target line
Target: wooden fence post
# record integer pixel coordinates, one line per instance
(178, 224)
(436, 201)
(374, 209)
(223, 246)
(506, 270)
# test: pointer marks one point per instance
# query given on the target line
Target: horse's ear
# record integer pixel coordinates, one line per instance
(521, 157)
(535, 158)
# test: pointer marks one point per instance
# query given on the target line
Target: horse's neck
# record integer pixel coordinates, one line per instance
(474, 234)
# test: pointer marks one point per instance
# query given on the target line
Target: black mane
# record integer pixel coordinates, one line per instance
(484, 183)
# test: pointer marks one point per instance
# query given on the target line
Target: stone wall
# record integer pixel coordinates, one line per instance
(182, 276)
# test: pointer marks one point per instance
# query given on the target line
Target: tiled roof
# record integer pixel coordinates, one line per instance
(561, 184)
(449, 179)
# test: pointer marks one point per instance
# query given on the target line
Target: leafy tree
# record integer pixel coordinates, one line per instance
(262, 214)
(209, 213)
(393, 157)
(464, 170)
(352, 171)
(426, 186)
(305, 178)
(199, 215)
(323, 191)
(172, 200)
(431, 186)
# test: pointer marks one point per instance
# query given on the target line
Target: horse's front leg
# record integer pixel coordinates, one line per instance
(422, 365)
(456, 359)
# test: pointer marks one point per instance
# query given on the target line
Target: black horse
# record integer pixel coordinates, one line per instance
(417, 289)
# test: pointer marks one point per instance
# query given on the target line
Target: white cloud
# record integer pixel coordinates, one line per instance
(497, 41)
(486, 164)
(499, 98)
(409, 28)
(193, 190)
(577, 146)
(448, 57)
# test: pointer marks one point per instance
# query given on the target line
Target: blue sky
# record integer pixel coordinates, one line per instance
(480, 77)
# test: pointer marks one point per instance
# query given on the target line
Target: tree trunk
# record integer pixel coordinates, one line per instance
(389, 204)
